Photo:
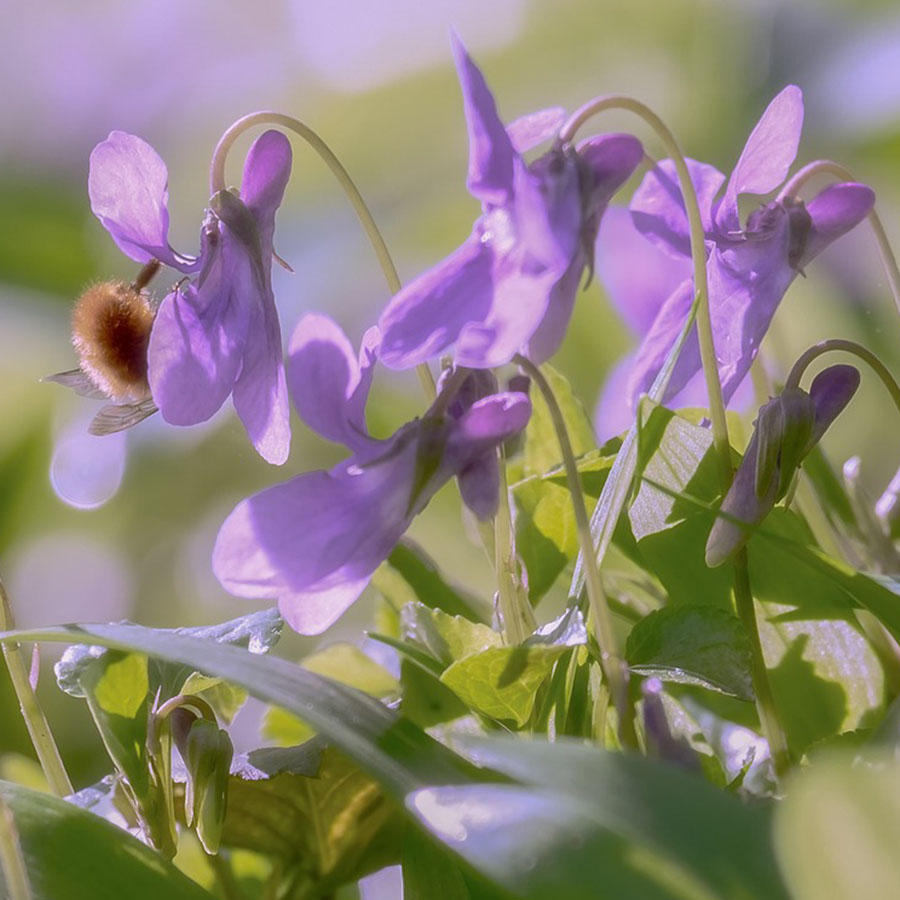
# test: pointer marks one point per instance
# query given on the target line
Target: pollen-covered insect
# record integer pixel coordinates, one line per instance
(111, 326)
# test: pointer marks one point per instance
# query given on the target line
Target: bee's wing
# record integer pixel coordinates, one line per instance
(78, 382)
(118, 417)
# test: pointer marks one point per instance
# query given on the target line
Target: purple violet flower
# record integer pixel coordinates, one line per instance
(511, 286)
(218, 334)
(315, 541)
(749, 267)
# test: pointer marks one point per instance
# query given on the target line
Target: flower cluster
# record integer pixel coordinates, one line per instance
(506, 293)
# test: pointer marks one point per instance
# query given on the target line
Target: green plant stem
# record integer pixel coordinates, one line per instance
(267, 117)
(35, 720)
(765, 701)
(698, 257)
(722, 445)
(516, 615)
(610, 656)
(827, 167)
(12, 864)
(844, 346)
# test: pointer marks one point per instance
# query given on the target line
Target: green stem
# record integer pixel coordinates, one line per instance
(35, 720)
(217, 183)
(827, 167)
(698, 257)
(773, 731)
(516, 614)
(610, 657)
(12, 863)
(835, 344)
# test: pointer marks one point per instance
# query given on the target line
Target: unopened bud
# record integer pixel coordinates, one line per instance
(207, 753)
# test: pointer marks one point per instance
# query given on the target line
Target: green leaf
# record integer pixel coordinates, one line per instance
(541, 446)
(348, 664)
(838, 829)
(501, 682)
(693, 645)
(74, 855)
(341, 662)
(331, 820)
(605, 516)
(399, 755)
(446, 638)
(429, 871)
(825, 676)
(617, 826)
(409, 574)
(426, 700)
(546, 537)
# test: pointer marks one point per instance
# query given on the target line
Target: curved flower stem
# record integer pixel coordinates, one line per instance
(698, 256)
(835, 344)
(35, 720)
(765, 701)
(268, 117)
(610, 656)
(516, 615)
(827, 167)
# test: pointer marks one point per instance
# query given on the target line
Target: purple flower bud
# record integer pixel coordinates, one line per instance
(787, 428)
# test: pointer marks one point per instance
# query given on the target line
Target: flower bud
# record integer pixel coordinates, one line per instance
(787, 428)
(207, 752)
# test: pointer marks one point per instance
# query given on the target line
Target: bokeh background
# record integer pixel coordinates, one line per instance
(375, 79)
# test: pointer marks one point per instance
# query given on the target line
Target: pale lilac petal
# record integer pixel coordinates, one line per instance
(128, 187)
(549, 334)
(613, 413)
(518, 304)
(610, 159)
(328, 384)
(267, 170)
(491, 151)
(479, 486)
(767, 156)
(197, 345)
(543, 226)
(834, 211)
(528, 131)
(260, 393)
(490, 421)
(658, 207)
(659, 341)
(426, 316)
(86, 471)
(636, 274)
(747, 281)
(315, 541)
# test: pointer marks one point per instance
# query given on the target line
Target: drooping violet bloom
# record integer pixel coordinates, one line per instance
(511, 286)
(315, 541)
(217, 335)
(786, 430)
(749, 265)
(638, 276)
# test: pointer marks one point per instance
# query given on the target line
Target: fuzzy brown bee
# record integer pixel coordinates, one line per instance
(110, 332)
(111, 326)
